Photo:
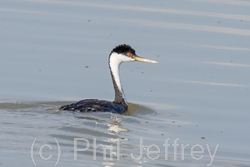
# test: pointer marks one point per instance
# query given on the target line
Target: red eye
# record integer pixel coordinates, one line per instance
(129, 54)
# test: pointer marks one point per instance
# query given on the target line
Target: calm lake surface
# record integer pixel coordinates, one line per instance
(191, 109)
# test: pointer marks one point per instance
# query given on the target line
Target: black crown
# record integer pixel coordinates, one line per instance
(123, 49)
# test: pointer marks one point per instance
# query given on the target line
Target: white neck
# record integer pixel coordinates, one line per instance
(115, 60)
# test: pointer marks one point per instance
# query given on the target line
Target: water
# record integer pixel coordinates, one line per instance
(55, 52)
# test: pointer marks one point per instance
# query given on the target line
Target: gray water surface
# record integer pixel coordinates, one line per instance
(197, 98)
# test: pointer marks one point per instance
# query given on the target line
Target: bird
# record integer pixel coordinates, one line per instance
(121, 53)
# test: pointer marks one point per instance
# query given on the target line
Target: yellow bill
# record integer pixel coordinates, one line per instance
(138, 58)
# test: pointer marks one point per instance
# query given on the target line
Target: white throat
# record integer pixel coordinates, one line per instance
(114, 61)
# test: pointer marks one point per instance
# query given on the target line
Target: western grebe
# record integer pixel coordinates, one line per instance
(121, 53)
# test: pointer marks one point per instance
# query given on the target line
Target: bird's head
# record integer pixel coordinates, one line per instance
(125, 53)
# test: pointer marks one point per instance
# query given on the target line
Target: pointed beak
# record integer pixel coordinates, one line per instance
(138, 58)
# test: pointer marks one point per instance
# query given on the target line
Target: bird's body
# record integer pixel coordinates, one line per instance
(95, 105)
(121, 53)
